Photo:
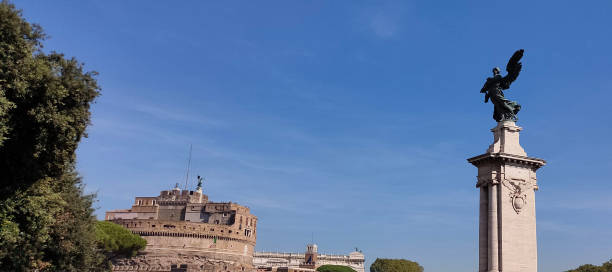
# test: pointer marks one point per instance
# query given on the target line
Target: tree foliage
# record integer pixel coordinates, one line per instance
(334, 268)
(395, 265)
(44, 104)
(605, 267)
(46, 220)
(117, 241)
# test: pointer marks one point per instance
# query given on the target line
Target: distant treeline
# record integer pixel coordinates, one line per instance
(605, 267)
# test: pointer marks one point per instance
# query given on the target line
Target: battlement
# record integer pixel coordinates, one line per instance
(187, 196)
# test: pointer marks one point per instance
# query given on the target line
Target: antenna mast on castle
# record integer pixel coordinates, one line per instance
(188, 166)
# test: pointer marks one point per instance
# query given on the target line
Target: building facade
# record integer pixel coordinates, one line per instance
(183, 229)
(311, 259)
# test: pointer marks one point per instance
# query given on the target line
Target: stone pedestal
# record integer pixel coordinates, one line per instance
(507, 182)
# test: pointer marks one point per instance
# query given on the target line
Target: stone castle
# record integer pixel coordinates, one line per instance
(186, 232)
(308, 261)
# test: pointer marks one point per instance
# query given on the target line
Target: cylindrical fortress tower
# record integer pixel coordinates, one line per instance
(183, 229)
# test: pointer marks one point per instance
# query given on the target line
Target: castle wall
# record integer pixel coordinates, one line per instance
(171, 212)
(183, 228)
(195, 213)
(163, 227)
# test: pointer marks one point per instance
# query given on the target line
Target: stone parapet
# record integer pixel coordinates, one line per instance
(152, 227)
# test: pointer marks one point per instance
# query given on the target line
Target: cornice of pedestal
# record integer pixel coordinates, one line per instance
(535, 163)
(506, 148)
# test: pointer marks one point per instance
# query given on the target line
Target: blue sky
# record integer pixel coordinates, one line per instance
(347, 119)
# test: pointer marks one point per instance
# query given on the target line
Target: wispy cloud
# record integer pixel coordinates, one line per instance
(162, 113)
(384, 25)
(136, 131)
(385, 20)
(253, 161)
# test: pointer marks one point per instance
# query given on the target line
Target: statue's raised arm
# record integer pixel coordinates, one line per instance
(504, 109)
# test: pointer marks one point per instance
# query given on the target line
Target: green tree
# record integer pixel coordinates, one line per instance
(117, 241)
(587, 268)
(395, 265)
(46, 221)
(334, 268)
(605, 267)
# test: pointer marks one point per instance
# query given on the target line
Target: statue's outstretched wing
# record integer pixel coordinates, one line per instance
(513, 68)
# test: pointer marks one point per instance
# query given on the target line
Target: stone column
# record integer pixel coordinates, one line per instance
(483, 233)
(492, 230)
(507, 181)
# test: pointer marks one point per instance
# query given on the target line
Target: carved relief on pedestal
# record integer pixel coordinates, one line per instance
(518, 192)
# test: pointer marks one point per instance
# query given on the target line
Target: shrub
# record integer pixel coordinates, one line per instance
(117, 241)
(395, 265)
(334, 268)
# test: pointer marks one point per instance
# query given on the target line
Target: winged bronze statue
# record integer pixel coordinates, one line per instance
(504, 109)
